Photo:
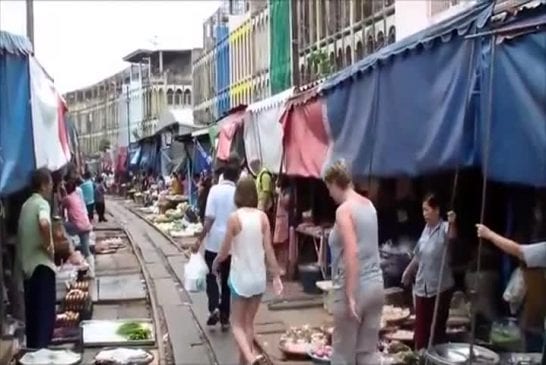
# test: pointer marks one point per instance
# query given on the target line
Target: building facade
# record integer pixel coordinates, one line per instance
(234, 66)
(126, 106)
(250, 55)
(334, 34)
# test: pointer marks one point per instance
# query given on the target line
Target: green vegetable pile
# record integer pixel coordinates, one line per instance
(134, 331)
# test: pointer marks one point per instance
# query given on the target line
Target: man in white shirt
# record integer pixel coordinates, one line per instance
(220, 205)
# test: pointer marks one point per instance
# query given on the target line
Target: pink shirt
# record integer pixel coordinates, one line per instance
(76, 212)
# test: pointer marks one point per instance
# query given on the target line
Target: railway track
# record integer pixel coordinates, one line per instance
(132, 222)
(142, 239)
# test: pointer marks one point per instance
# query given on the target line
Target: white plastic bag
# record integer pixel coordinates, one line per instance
(195, 273)
(515, 291)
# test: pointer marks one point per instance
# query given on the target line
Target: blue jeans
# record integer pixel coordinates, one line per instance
(72, 230)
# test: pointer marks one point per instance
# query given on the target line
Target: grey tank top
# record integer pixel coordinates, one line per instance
(364, 217)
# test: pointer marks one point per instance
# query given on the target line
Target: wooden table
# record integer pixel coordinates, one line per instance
(319, 236)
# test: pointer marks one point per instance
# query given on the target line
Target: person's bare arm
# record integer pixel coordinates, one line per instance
(510, 247)
(44, 223)
(210, 214)
(270, 258)
(411, 269)
(207, 225)
(231, 231)
(350, 250)
(452, 229)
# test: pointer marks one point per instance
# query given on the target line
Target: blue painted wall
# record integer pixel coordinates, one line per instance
(222, 70)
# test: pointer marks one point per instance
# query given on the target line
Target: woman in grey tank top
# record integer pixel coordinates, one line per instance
(356, 272)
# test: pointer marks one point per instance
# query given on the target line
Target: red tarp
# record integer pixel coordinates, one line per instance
(305, 138)
(228, 127)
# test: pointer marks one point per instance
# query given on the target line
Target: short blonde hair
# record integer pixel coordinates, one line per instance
(338, 174)
(246, 195)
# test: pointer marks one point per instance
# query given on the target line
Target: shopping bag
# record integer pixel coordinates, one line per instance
(195, 273)
(515, 291)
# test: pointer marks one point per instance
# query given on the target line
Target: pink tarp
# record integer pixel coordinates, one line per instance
(228, 127)
(305, 137)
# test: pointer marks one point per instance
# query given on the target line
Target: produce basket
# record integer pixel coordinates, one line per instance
(321, 355)
(297, 342)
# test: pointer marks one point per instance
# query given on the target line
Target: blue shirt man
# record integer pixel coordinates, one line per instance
(88, 192)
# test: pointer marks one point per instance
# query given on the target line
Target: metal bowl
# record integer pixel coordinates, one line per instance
(458, 353)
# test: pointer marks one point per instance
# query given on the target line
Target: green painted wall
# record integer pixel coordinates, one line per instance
(280, 37)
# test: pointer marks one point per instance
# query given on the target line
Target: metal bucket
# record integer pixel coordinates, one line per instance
(458, 353)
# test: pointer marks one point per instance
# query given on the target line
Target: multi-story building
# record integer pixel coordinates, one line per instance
(334, 34)
(233, 68)
(249, 56)
(326, 35)
(127, 105)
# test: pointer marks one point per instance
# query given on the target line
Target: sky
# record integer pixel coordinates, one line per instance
(82, 42)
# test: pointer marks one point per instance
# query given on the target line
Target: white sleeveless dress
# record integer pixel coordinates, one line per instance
(247, 277)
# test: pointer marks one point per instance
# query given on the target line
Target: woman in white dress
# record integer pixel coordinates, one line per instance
(248, 239)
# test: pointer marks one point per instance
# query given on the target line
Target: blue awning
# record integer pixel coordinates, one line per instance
(14, 44)
(516, 100)
(409, 109)
(134, 157)
(461, 24)
(16, 141)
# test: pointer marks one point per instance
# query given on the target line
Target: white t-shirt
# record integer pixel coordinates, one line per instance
(220, 204)
(535, 255)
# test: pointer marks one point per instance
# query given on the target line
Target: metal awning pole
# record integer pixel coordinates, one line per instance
(30, 21)
(485, 162)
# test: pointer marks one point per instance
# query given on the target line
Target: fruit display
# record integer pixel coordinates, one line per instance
(300, 340)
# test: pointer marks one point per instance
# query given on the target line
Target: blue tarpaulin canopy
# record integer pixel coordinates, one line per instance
(407, 109)
(134, 156)
(149, 155)
(16, 142)
(516, 100)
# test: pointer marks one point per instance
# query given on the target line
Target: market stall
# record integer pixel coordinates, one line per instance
(35, 133)
(230, 137)
(305, 144)
(263, 131)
